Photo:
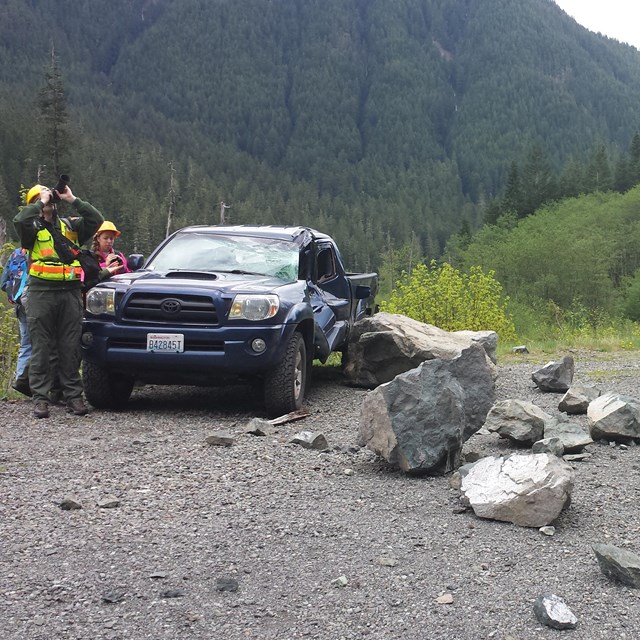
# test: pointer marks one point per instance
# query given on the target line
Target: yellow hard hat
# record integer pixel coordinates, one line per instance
(34, 193)
(108, 226)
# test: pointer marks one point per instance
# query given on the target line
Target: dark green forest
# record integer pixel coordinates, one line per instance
(386, 124)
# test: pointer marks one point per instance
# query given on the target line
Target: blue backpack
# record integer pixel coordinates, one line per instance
(16, 272)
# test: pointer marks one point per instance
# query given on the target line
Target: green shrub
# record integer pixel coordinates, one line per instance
(447, 298)
(9, 344)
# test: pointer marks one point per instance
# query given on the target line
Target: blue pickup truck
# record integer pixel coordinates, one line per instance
(223, 304)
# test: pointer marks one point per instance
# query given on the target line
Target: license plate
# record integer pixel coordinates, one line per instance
(165, 342)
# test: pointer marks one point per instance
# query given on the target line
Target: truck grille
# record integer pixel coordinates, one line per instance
(178, 309)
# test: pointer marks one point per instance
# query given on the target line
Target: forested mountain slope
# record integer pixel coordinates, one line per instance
(380, 121)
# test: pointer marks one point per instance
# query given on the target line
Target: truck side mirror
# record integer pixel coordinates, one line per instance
(135, 261)
(363, 292)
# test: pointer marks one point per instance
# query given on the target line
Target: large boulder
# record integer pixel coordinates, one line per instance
(572, 436)
(386, 344)
(576, 400)
(420, 420)
(529, 490)
(614, 417)
(517, 420)
(555, 376)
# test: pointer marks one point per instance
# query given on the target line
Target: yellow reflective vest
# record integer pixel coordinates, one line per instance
(46, 264)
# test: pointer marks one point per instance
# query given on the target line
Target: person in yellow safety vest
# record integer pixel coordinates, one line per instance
(54, 304)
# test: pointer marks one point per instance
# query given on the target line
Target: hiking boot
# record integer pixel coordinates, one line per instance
(77, 407)
(41, 410)
(22, 386)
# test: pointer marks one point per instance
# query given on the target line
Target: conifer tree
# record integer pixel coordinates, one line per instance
(54, 131)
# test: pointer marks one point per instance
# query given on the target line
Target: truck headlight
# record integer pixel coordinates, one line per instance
(254, 307)
(101, 302)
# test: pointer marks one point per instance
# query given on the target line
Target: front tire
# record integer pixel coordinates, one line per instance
(105, 390)
(285, 385)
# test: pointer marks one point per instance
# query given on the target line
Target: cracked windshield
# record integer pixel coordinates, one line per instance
(228, 254)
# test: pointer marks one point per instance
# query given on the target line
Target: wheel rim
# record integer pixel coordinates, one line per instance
(298, 377)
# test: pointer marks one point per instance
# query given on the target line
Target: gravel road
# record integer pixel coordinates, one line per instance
(192, 521)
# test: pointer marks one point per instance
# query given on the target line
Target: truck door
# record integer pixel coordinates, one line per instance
(330, 298)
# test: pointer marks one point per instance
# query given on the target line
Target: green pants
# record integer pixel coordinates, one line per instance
(54, 318)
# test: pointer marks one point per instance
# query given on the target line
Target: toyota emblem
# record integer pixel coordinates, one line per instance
(170, 306)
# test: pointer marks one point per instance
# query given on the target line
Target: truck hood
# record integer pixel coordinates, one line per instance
(192, 280)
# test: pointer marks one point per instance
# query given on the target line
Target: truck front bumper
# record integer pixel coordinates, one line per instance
(208, 352)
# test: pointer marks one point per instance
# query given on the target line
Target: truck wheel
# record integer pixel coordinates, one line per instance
(284, 386)
(105, 390)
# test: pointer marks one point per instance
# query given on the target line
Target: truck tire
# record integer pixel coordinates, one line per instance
(285, 385)
(105, 390)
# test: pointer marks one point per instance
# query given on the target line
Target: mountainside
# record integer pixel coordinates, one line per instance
(381, 121)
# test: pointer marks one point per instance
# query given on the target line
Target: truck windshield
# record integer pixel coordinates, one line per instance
(230, 254)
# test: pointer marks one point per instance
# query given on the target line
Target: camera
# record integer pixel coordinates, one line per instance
(61, 187)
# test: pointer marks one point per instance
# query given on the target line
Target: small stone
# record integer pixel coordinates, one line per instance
(109, 503)
(220, 439)
(445, 598)
(113, 597)
(553, 612)
(227, 584)
(310, 440)
(387, 561)
(577, 457)
(259, 427)
(547, 531)
(172, 593)
(348, 472)
(70, 504)
(340, 581)
(158, 575)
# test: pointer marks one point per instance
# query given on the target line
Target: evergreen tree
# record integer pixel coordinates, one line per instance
(512, 200)
(634, 159)
(538, 182)
(54, 134)
(598, 175)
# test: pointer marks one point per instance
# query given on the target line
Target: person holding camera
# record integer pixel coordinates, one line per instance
(111, 261)
(54, 305)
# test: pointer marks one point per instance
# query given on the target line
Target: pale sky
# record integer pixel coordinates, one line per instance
(619, 19)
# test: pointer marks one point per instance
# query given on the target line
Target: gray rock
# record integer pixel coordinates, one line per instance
(572, 436)
(576, 457)
(548, 445)
(70, 504)
(618, 564)
(487, 339)
(109, 503)
(528, 490)
(555, 376)
(577, 398)
(420, 420)
(553, 612)
(517, 420)
(385, 345)
(220, 439)
(521, 348)
(311, 440)
(259, 427)
(227, 584)
(614, 417)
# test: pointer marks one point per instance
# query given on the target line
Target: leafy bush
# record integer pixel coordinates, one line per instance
(447, 298)
(9, 344)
